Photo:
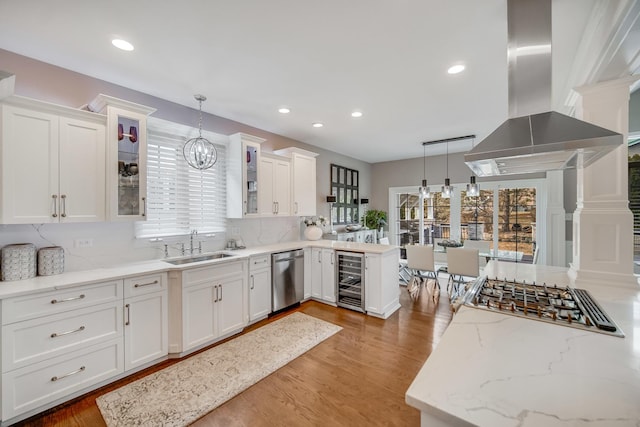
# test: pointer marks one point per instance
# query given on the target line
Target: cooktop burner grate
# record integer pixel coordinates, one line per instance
(563, 306)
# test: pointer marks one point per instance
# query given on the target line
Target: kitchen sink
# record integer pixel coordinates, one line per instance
(189, 260)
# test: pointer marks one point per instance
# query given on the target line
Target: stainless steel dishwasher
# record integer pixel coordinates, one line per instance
(287, 278)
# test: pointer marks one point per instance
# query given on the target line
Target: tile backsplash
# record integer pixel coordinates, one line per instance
(98, 245)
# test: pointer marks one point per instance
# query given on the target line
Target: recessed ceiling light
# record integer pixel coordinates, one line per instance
(356, 114)
(122, 44)
(317, 125)
(455, 69)
(284, 110)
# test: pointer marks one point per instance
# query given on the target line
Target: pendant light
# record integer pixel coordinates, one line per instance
(424, 189)
(472, 188)
(447, 189)
(199, 152)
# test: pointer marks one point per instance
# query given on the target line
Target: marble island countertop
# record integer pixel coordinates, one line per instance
(493, 369)
(75, 278)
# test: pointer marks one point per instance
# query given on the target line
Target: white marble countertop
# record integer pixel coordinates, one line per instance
(493, 369)
(75, 278)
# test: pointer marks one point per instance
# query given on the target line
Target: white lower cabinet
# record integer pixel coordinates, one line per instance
(207, 304)
(61, 343)
(146, 331)
(308, 259)
(259, 287)
(323, 272)
(382, 295)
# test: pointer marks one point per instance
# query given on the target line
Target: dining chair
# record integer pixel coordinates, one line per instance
(483, 246)
(461, 263)
(421, 264)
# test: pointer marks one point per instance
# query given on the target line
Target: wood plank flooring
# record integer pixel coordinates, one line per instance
(357, 377)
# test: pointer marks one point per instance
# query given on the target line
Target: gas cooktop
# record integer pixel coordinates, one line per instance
(548, 303)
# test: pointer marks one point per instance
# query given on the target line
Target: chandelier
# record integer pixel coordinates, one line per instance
(200, 153)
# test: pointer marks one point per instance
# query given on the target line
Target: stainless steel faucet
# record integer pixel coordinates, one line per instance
(193, 233)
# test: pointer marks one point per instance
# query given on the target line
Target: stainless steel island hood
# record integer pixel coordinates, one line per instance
(541, 140)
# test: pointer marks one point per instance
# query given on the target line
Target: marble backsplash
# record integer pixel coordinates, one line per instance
(98, 245)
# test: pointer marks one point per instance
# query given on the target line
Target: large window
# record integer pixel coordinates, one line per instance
(503, 214)
(180, 198)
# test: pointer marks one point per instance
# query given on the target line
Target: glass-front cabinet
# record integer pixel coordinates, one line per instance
(243, 175)
(126, 157)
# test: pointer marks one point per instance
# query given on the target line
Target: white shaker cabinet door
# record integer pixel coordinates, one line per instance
(259, 294)
(146, 329)
(229, 307)
(82, 171)
(329, 275)
(303, 185)
(29, 166)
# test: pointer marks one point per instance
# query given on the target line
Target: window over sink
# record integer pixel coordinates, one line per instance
(181, 198)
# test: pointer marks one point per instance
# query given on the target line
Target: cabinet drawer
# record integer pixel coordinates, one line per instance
(45, 303)
(259, 261)
(144, 284)
(38, 339)
(36, 385)
(209, 274)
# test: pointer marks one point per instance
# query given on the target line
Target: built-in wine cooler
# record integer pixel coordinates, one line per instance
(350, 280)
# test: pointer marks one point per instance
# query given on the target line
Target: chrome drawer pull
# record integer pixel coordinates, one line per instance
(59, 334)
(139, 285)
(144, 206)
(82, 368)
(127, 322)
(56, 301)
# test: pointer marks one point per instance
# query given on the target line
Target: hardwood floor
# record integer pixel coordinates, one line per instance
(357, 377)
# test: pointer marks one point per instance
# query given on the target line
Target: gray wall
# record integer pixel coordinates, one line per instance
(46, 82)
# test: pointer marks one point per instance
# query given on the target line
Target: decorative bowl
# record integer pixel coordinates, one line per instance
(353, 227)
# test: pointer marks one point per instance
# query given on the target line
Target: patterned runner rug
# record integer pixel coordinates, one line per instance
(187, 390)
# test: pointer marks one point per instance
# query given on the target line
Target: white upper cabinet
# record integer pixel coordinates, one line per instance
(303, 180)
(274, 194)
(126, 157)
(243, 176)
(53, 163)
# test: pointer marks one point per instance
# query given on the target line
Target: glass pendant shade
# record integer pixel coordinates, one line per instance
(447, 189)
(424, 189)
(200, 153)
(472, 187)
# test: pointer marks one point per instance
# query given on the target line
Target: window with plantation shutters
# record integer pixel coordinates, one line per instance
(180, 198)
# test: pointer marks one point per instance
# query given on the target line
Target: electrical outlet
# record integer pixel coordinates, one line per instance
(83, 243)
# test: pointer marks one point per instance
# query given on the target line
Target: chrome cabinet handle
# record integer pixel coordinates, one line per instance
(277, 207)
(216, 298)
(253, 281)
(144, 206)
(59, 334)
(127, 321)
(139, 285)
(58, 301)
(333, 256)
(296, 207)
(63, 208)
(55, 205)
(220, 292)
(82, 368)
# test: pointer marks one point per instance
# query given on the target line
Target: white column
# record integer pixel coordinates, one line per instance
(602, 222)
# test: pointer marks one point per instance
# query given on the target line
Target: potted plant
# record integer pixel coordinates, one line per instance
(375, 219)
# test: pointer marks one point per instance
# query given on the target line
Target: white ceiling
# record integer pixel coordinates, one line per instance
(323, 59)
